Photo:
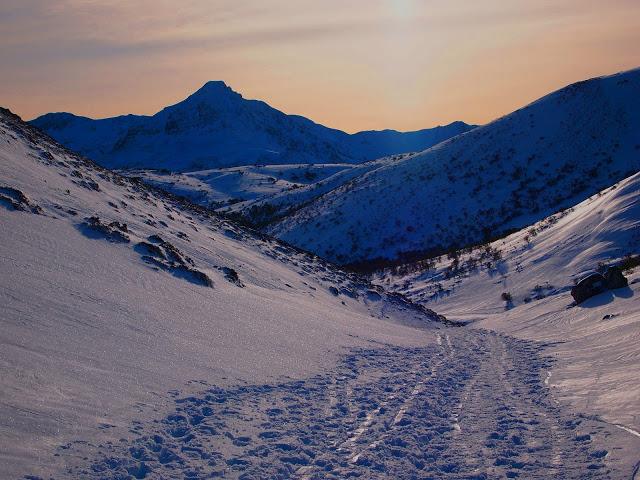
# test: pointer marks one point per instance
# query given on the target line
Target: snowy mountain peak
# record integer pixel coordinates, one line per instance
(214, 90)
(217, 127)
(214, 85)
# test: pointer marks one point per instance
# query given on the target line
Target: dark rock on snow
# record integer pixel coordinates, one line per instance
(594, 283)
(615, 278)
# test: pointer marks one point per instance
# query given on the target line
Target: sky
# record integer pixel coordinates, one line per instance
(348, 64)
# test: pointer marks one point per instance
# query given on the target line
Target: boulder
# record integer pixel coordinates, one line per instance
(615, 278)
(588, 286)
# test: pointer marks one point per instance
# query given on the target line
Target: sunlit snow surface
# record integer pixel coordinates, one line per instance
(93, 335)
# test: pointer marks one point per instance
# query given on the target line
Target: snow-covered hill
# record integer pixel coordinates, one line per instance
(221, 188)
(521, 285)
(505, 175)
(215, 127)
(258, 194)
(113, 294)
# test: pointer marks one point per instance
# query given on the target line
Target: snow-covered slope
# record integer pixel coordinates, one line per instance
(510, 173)
(143, 337)
(216, 127)
(112, 295)
(521, 285)
(221, 188)
(259, 194)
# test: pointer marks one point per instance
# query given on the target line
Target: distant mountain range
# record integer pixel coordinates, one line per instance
(217, 127)
(481, 184)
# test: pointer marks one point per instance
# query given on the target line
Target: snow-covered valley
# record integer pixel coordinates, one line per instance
(146, 336)
(101, 321)
(238, 188)
(259, 194)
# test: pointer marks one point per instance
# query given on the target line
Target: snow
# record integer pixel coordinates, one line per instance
(93, 335)
(259, 194)
(502, 176)
(146, 337)
(223, 188)
(215, 127)
(595, 344)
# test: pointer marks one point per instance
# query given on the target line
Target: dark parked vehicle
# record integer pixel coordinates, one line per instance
(588, 286)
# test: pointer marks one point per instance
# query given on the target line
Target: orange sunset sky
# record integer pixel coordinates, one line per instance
(353, 65)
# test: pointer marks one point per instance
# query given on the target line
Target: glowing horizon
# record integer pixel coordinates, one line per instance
(358, 65)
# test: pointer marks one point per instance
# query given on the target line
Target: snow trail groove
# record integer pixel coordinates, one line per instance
(473, 405)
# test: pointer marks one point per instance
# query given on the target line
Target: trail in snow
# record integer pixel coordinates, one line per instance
(473, 405)
(627, 429)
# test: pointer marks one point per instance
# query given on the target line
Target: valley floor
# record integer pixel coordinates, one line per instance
(475, 404)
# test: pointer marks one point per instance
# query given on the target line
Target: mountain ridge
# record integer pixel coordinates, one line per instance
(147, 337)
(217, 127)
(507, 174)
